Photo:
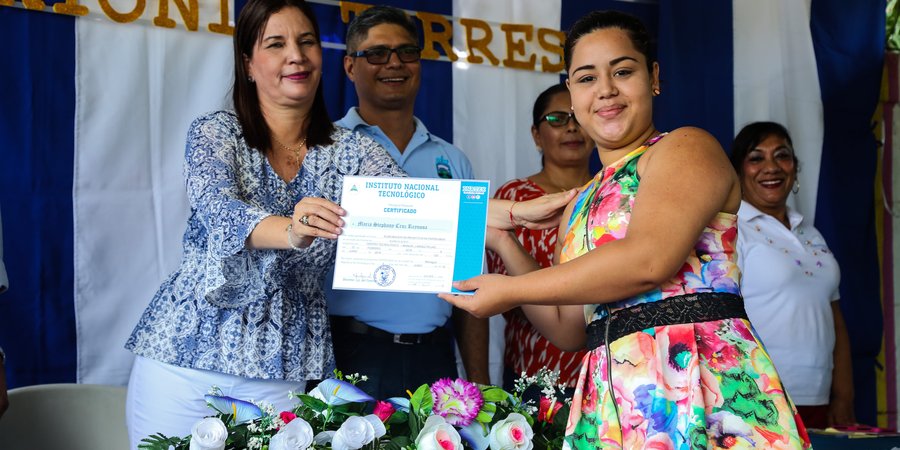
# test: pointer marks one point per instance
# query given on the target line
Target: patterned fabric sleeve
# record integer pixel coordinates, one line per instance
(215, 183)
(218, 192)
(376, 160)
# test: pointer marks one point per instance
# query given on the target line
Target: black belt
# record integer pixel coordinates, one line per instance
(350, 325)
(690, 308)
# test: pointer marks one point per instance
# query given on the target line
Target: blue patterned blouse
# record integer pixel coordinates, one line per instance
(250, 313)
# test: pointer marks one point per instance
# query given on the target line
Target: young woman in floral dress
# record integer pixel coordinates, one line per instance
(648, 262)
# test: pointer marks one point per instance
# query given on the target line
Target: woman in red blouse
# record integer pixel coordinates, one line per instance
(565, 150)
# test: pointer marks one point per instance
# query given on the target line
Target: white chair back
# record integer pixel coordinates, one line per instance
(65, 417)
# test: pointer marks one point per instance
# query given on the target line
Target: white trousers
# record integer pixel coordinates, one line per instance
(168, 399)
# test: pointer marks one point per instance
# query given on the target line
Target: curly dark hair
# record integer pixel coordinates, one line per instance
(751, 135)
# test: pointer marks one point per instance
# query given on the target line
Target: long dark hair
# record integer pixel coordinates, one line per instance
(751, 135)
(598, 20)
(248, 31)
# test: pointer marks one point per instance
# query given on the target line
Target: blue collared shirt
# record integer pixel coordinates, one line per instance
(426, 156)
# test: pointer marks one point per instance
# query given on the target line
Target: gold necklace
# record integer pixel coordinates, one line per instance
(296, 151)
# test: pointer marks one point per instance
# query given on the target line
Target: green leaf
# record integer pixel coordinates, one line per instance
(398, 417)
(160, 441)
(489, 407)
(484, 417)
(312, 402)
(414, 425)
(421, 399)
(562, 417)
(494, 394)
(402, 441)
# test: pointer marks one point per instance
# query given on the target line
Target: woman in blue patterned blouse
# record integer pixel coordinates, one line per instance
(245, 310)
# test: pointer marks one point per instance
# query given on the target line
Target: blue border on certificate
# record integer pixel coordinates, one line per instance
(473, 204)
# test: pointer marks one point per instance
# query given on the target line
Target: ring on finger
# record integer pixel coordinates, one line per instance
(304, 220)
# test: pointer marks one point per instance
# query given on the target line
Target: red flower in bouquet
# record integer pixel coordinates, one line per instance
(384, 410)
(547, 409)
(287, 416)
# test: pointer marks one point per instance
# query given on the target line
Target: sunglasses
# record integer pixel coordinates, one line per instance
(558, 119)
(381, 55)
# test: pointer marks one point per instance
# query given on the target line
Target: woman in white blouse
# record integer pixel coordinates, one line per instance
(790, 280)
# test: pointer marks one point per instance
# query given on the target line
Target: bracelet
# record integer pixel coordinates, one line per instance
(511, 220)
(290, 227)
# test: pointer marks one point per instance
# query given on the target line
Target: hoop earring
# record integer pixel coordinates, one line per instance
(796, 187)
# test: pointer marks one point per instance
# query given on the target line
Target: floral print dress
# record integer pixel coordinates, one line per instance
(693, 385)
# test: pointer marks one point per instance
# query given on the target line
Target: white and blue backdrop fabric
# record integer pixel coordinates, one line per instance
(95, 109)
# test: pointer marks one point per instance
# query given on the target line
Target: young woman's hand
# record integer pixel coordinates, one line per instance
(491, 295)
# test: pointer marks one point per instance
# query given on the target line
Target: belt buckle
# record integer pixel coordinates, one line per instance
(405, 339)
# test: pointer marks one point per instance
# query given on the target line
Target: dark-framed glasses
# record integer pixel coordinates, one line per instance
(558, 119)
(381, 55)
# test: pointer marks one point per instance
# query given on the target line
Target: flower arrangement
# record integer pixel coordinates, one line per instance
(446, 415)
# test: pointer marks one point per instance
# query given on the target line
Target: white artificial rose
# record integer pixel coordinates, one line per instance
(437, 434)
(377, 425)
(512, 433)
(296, 435)
(353, 434)
(209, 434)
(324, 437)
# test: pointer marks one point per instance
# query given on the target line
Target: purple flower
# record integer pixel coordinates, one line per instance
(458, 400)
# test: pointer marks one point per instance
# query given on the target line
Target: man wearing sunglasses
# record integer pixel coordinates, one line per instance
(399, 341)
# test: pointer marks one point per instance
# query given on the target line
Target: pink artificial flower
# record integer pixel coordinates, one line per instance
(458, 401)
(384, 410)
(287, 416)
(546, 412)
(512, 433)
(437, 434)
(444, 439)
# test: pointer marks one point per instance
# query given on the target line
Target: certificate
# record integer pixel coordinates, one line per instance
(410, 234)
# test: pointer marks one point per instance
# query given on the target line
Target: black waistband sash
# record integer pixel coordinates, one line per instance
(690, 308)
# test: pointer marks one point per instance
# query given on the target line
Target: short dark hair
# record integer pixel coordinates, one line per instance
(599, 20)
(251, 24)
(543, 99)
(359, 27)
(540, 104)
(751, 135)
